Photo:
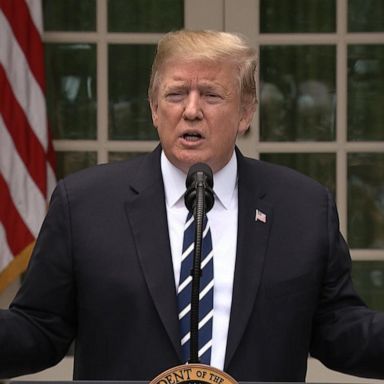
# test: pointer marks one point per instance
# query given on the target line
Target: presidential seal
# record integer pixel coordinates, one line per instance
(193, 374)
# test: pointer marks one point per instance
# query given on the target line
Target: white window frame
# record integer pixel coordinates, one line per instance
(245, 19)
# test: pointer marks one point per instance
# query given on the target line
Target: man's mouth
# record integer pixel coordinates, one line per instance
(192, 136)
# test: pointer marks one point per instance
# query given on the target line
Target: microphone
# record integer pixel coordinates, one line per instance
(199, 177)
(199, 200)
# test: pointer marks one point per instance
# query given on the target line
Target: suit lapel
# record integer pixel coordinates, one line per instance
(252, 242)
(148, 220)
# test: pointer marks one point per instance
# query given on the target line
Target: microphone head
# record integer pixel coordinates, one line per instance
(195, 169)
(199, 173)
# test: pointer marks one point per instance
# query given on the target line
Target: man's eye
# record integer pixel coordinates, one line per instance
(174, 96)
(213, 97)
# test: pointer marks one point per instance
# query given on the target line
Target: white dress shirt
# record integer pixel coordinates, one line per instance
(223, 222)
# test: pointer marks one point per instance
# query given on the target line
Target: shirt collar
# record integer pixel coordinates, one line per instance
(174, 181)
(225, 182)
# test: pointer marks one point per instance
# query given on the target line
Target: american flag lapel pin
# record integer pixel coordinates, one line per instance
(260, 216)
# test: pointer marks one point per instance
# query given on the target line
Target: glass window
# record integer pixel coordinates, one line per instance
(71, 90)
(297, 95)
(69, 15)
(145, 15)
(277, 16)
(71, 161)
(366, 16)
(319, 166)
(366, 200)
(128, 73)
(368, 279)
(365, 92)
(120, 156)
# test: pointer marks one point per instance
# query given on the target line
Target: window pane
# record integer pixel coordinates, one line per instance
(145, 15)
(365, 16)
(120, 156)
(298, 93)
(69, 15)
(366, 200)
(71, 90)
(366, 92)
(69, 162)
(368, 279)
(292, 16)
(319, 166)
(129, 71)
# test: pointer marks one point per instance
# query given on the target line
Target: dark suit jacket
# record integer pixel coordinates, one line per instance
(101, 273)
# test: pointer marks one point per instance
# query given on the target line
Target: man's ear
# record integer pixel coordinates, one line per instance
(154, 107)
(247, 114)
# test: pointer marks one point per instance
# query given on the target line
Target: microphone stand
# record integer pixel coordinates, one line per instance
(199, 212)
(199, 200)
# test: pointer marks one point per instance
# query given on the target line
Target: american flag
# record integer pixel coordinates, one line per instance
(260, 216)
(26, 153)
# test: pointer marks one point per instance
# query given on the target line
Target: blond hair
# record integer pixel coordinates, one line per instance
(207, 46)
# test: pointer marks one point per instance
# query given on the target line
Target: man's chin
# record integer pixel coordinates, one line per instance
(184, 163)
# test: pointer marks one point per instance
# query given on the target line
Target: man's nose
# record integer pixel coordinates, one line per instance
(192, 110)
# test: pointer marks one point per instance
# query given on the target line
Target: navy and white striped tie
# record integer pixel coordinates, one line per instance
(206, 291)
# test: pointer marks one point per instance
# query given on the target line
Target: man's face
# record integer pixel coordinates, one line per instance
(198, 113)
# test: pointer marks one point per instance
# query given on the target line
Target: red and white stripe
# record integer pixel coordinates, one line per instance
(26, 153)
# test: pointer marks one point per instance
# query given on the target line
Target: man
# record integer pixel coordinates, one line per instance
(106, 265)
